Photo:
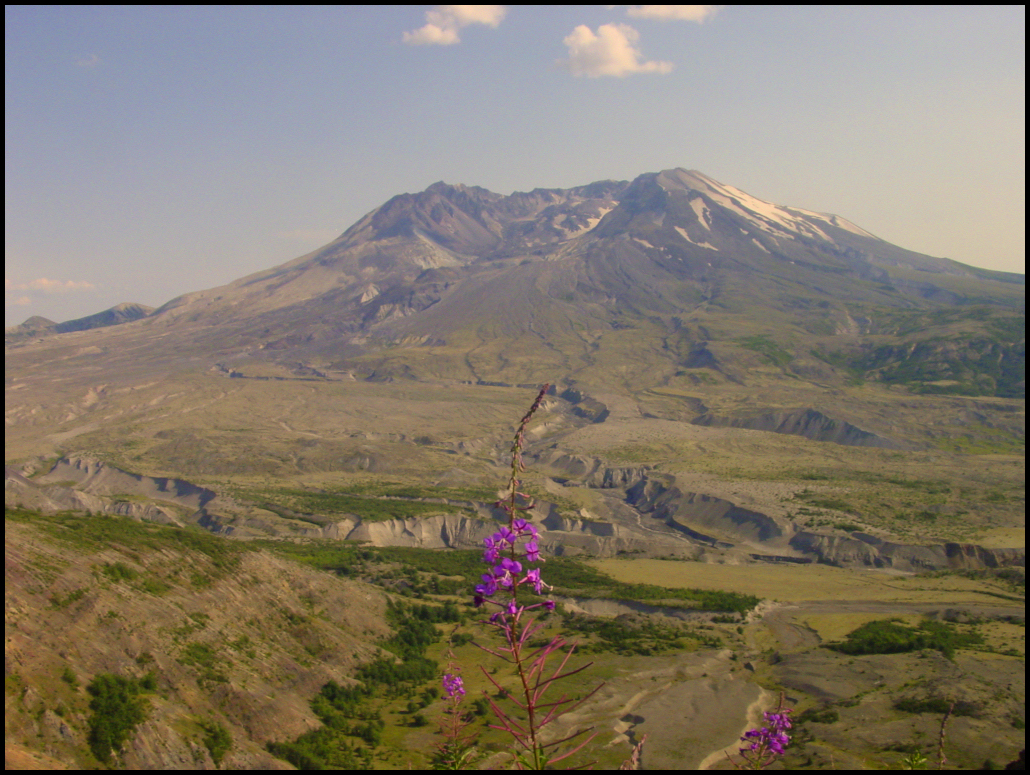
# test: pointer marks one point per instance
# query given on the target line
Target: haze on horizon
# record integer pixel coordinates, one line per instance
(156, 151)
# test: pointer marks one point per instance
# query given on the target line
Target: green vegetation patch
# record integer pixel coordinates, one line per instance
(416, 491)
(576, 579)
(973, 351)
(937, 706)
(422, 571)
(890, 636)
(207, 660)
(118, 571)
(352, 726)
(457, 571)
(216, 739)
(92, 532)
(765, 346)
(117, 708)
(300, 504)
(635, 638)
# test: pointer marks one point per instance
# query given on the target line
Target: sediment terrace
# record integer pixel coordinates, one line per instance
(638, 512)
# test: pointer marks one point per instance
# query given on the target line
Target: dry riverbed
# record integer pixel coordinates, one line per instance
(694, 706)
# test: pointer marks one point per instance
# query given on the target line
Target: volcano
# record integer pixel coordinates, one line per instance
(663, 272)
(673, 281)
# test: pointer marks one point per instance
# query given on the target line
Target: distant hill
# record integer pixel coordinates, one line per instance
(125, 312)
(37, 326)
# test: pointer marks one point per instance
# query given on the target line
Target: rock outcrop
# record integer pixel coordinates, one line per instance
(99, 478)
(808, 423)
(591, 471)
(863, 550)
(703, 517)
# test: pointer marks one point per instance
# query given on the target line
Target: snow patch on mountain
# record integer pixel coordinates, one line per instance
(835, 220)
(683, 233)
(701, 210)
(767, 216)
(572, 232)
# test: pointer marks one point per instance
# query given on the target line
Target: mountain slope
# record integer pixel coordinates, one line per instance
(234, 638)
(563, 277)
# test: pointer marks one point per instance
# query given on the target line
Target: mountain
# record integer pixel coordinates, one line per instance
(37, 326)
(563, 278)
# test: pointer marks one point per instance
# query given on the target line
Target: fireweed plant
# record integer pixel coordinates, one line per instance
(764, 745)
(457, 751)
(508, 554)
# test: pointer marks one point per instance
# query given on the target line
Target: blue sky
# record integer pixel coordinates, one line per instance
(155, 151)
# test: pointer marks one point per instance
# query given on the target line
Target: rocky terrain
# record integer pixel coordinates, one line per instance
(647, 515)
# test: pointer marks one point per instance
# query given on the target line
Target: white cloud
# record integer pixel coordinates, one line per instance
(46, 285)
(609, 52)
(21, 301)
(91, 61)
(444, 21)
(684, 13)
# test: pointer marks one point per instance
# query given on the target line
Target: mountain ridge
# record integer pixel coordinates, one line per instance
(470, 284)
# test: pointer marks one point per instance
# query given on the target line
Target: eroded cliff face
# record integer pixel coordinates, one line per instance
(703, 517)
(656, 517)
(559, 535)
(806, 423)
(862, 550)
(82, 483)
(49, 498)
(99, 478)
(592, 471)
(720, 523)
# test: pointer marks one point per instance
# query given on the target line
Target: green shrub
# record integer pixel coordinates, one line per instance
(117, 709)
(891, 637)
(819, 716)
(936, 705)
(69, 677)
(217, 740)
(118, 571)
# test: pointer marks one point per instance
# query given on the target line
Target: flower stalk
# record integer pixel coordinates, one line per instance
(764, 745)
(508, 553)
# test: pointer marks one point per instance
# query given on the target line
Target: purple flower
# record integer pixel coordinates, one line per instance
(532, 551)
(533, 577)
(453, 685)
(509, 565)
(492, 552)
(769, 741)
(488, 588)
